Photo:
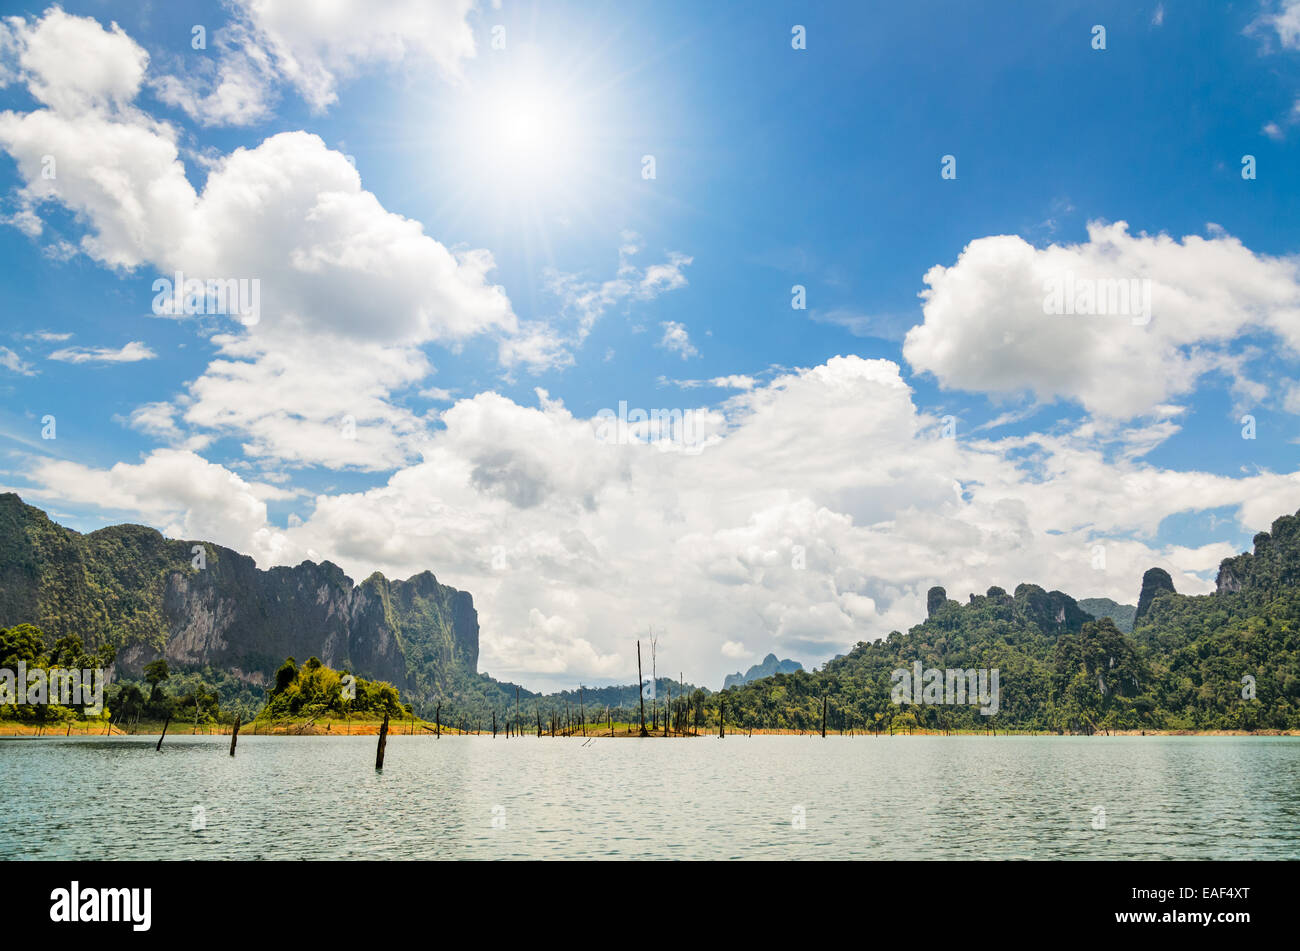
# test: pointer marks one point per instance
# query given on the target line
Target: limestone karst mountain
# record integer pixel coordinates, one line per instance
(766, 668)
(129, 586)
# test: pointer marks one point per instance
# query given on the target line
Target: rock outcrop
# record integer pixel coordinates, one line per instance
(153, 597)
(1153, 582)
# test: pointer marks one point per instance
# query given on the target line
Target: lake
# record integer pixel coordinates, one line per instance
(774, 797)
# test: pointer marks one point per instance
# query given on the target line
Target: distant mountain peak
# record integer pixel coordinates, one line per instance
(767, 668)
(1154, 581)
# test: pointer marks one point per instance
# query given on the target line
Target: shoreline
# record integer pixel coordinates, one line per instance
(11, 729)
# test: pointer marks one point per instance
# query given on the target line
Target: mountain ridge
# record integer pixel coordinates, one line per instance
(1221, 661)
(767, 667)
(150, 596)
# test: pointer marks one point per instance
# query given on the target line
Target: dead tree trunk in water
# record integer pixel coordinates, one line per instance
(383, 741)
(234, 736)
(582, 708)
(823, 716)
(158, 748)
(437, 722)
(640, 686)
(494, 724)
(654, 678)
(722, 723)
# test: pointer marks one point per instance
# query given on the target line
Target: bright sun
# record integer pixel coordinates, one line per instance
(523, 137)
(531, 145)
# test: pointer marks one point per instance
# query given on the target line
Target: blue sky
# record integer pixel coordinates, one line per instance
(774, 167)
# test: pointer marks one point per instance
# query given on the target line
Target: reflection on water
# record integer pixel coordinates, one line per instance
(475, 797)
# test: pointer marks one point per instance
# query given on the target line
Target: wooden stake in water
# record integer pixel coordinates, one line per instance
(383, 741)
(234, 736)
(158, 748)
(640, 687)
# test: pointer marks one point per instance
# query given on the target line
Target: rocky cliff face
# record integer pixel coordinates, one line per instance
(1049, 610)
(1274, 564)
(129, 586)
(935, 598)
(1153, 582)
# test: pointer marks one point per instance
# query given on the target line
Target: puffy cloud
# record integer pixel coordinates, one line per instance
(329, 257)
(677, 339)
(817, 515)
(234, 87)
(986, 328)
(785, 533)
(347, 290)
(291, 211)
(314, 48)
(181, 493)
(317, 45)
(105, 72)
(109, 163)
(319, 400)
(735, 650)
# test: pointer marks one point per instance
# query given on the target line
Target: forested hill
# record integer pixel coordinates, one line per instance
(1121, 614)
(1190, 663)
(1225, 660)
(228, 626)
(203, 606)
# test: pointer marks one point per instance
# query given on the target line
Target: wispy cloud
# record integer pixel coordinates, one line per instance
(132, 352)
(880, 326)
(11, 361)
(47, 336)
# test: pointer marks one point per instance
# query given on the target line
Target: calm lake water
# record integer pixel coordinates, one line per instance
(860, 797)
